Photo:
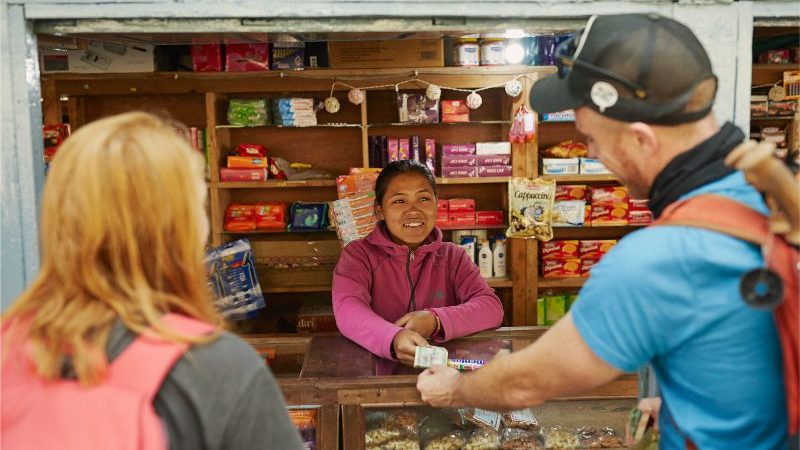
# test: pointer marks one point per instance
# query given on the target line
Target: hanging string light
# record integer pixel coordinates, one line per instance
(355, 96)
(474, 100)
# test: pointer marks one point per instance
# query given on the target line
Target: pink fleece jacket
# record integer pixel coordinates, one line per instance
(377, 281)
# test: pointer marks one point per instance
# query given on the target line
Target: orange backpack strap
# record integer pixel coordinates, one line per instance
(145, 363)
(718, 213)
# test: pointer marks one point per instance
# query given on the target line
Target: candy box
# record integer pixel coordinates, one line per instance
(561, 268)
(586, 265)
(494, 160)
(595, 249)
(494, 171)
(609, 214)
(442, 218)
(462, 218)
(635, 204)
(570, 192)
(459, 160)
(458, 149)
(640, 217)
(459, 172)
(609, 194)
(560, 166)
(569, 213)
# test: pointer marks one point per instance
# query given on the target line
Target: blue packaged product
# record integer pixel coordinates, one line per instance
(233, 280)
(309, 216)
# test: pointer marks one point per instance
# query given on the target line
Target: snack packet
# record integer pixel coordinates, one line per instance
(516, 439)
(483, 440)
(560, 438)
(522, 419)
(531, 205)
(592, 437)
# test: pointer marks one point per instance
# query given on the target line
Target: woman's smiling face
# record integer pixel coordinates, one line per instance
(409, 209)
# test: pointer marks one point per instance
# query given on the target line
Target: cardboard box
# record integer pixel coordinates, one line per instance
(462, 205)
(316, 319)
(462, 219)
(408, 53)
(246, 57)
(287, 56)
(609, 194)
(226, 174)
(455, 111)
(560, 166)
(589, 166)
(609, 214)
(442, 204)
(493, 148)
(207, 58)
(560, 249)
(636, 204)
(494, 160)
(494, 171)
(640, 217)
(459, 172)
(570, 192)
(595, 248)
(246, 162)
(459, 160)
(489, 218)
(100, 57)
(442, 218)
(569, 213)
(561, 268)
(458, 149)
(586, 266)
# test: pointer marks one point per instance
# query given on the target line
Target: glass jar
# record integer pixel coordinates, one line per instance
(493, 51)
(466, 51)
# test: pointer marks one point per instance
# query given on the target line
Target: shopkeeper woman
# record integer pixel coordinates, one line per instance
(402, 285)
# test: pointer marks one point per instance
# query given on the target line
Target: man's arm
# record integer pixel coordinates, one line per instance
(558, 363)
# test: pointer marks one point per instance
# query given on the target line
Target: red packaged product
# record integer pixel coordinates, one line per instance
(442, 218)
(54, 136)
(586, 266)
(455, 111)
(489, 218)
(226, 174)
(442, 205)
(561, 268)
(462, 218)
(609, 194)
(275, 171)
(251, 150)
(207, 57)
(635, 204)
(459, 172)
(595, 249)
(560, 249)
(246, 57)
(246, 162)
(640, 217)
(462, 205)
(240, 217)
(609, 214)
(570, 192)
(270, 215)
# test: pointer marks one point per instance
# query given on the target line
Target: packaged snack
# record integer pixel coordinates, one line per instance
(561, 268)
(640, 217)
(459, 172)
(394, 150)
(442, 218)
(309, 216)
(567, 149)
(417, 108)
(425, 357)
(455, 111)
(636, 204)
(561, 116)
(247, 162)
(233, 280)
(250, 150)
(246, 57)
(403, 148)
(466, 365)
(206, 58)
(275, 170)
(430, 155)
(571, 192)
(483, 440)
(459, 160)
(560, 166)
(54, 136)
(590, 166)
(462, 205)
(404, 443)
(407, 421)
(560, 249)
(516, 439)
(494, 171)
(458, 149)
(240, 217)
(609, 214)
(461, 218)
(531, 208)
(305, 420)
(494, 160)
(489, 217)
(609, 194)
(595, 249)
(248, 112)
(442, 204)
(559, 438)
(226, 174)
(481, 418)
(605, 437)
(270, 215)
(555, 307)
(450, 440)
(522, 419)
(493, 148)
(569, 213)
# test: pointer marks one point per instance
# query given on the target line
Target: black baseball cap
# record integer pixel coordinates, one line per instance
(630, 67)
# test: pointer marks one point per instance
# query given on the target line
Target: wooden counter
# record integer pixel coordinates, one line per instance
(339, 377)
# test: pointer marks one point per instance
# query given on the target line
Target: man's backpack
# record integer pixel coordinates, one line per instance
(115, 414)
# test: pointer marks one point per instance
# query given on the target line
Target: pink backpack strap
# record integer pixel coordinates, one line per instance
(145, 363)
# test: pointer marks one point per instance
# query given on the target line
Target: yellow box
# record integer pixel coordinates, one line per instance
(411, 53)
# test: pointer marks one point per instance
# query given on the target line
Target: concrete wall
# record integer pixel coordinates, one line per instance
(724, 27)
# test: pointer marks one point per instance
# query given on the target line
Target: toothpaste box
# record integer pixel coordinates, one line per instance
(459, 172)
(493, 148)
(560, 166)
(561, 268)
(494, 160)
(570, 192)
(489, 218)
(595, 249)
(586, 266)
(462, 205)
(458, 149)
(560, 249)
(494, 171)
(459, 160)
(590, 166)
(462, 219)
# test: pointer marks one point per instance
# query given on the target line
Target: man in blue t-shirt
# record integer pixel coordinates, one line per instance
(642, 89)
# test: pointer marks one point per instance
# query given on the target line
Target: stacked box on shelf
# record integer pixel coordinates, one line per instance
(383, 150)
(572, 258)
(569, 207)
(461, 212)
(609, 206)
(552, 307)
(464, 158)
(354, 217)
(493, 159)
(294, 112)
(248, 162)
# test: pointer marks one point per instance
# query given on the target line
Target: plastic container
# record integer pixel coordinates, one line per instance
(467, 51)
(468, 244)
(499, 257)
(485, 259)
(493, 51)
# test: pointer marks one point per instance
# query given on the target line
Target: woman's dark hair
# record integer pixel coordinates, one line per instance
(396, 168)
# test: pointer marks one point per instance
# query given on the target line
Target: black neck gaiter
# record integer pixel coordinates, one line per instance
(694, 168)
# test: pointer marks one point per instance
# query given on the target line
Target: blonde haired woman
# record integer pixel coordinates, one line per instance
(122, 236)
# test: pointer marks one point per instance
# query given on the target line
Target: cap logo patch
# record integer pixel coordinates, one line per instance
(604, 95)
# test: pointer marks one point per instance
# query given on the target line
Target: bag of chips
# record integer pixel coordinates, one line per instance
(531, 205)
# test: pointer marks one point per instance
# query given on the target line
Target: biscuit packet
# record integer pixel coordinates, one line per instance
(522, 419)
(531, 207)
(517, 439)
(482, 439)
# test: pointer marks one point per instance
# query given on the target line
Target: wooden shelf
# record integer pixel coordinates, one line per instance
(473, 180)
(771, 118)
(776, 67)
(409, 124)
(594, 232)
(504, 282)
(273, 184)
(472, 227)
(321, 125)
(583, 178)
(561, 282)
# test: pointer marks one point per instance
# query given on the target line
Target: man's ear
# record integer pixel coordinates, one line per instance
(644, 136)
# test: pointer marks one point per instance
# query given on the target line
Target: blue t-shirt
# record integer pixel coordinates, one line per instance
(670, 296)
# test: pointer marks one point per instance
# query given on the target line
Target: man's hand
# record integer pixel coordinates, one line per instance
(438, 386)
(405, 344)
(422, 322)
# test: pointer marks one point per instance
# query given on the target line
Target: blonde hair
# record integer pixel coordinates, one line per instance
(123, 229)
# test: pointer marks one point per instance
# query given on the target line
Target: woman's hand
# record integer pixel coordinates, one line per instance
(422, 322)
(405, 344)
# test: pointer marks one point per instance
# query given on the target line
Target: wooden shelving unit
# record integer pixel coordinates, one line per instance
(583, 179)
(484, 180)
(272, 184)
(545, 283)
